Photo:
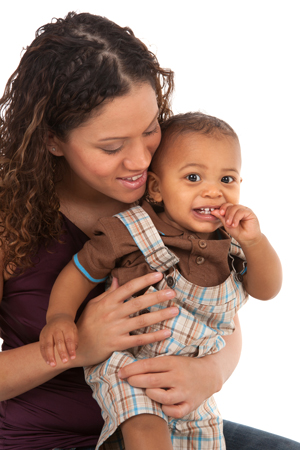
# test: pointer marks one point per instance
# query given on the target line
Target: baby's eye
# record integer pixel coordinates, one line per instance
(227, 179)
(193, 177)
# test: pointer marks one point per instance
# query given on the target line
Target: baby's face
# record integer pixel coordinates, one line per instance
(198, 173)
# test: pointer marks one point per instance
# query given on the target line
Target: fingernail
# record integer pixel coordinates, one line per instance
(174, 311)
(169, 293)
(157, 275)
(120, 373)
(167, 333)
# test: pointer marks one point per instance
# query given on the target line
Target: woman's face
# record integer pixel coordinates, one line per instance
(108, 156)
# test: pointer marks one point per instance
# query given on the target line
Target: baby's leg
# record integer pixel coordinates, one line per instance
(146, 432)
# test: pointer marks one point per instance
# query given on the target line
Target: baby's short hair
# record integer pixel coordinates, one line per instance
(196, 122)
(192, 122)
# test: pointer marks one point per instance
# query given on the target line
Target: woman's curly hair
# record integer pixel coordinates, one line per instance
(72, 66)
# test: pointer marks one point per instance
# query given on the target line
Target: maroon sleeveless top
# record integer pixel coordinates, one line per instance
(61, 412)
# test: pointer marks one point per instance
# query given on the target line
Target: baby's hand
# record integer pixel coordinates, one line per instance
(240, 222)
(61, 332)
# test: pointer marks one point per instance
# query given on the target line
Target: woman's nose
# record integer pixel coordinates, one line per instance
(138, 158)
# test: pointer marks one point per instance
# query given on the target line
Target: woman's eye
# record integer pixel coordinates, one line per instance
(193, 177)
(227, 179)
(155, 130)
(112, 151)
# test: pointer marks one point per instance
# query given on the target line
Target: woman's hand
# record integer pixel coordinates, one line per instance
(182, 383)
(179, 383)
(105, 325)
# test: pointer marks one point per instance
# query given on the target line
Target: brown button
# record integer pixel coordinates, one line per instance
(202, 244)
(200, 260)
(170, 281)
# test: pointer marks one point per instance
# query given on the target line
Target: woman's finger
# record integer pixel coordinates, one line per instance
(137, 304)
(177, 411)
(139, 340)
(145, 366)
(127, 290)
(145, 320)
(170, 396)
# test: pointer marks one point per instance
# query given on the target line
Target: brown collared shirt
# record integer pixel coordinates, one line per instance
(112, 250)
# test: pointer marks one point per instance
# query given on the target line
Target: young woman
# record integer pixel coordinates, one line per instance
(80, 124)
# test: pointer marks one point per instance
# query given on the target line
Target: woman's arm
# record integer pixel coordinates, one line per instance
(189, 381)
(103, 327)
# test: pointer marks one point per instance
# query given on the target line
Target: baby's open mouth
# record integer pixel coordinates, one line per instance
(205, 210)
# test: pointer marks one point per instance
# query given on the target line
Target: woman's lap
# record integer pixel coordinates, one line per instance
(241, 437)
(77, 448)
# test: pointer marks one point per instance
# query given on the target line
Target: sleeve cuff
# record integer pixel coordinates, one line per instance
(84, 272)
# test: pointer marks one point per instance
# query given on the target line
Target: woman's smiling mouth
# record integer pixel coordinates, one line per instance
(134, 182)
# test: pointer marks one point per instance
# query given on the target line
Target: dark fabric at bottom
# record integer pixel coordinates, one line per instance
(241, 437)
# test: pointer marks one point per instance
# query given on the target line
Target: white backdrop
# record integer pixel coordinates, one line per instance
(238, 60)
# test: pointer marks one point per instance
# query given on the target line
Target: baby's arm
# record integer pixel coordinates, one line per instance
(68, 292)
(263, 278)
(146, 432)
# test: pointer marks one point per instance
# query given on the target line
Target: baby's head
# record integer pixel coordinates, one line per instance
(196, 168)
(187, 124)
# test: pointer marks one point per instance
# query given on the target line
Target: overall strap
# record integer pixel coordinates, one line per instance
(147, 238)
(236, 250)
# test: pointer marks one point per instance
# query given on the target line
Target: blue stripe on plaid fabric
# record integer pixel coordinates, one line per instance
(235, 243)
(128, 223)
(141, 228)
(85, 272)
(243, 271)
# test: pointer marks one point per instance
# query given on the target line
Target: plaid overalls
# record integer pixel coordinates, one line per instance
(206, 314)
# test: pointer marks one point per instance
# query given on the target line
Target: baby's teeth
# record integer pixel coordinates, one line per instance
(206, 210)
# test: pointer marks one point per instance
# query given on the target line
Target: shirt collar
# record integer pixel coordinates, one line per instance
(167, 230)
(164, 228)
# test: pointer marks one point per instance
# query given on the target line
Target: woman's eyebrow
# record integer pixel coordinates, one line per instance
(124, 137)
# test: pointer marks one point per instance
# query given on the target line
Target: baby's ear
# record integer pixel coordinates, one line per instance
(153, 187)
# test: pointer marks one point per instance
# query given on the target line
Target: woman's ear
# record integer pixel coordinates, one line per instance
(153, 187)
(53, 145)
